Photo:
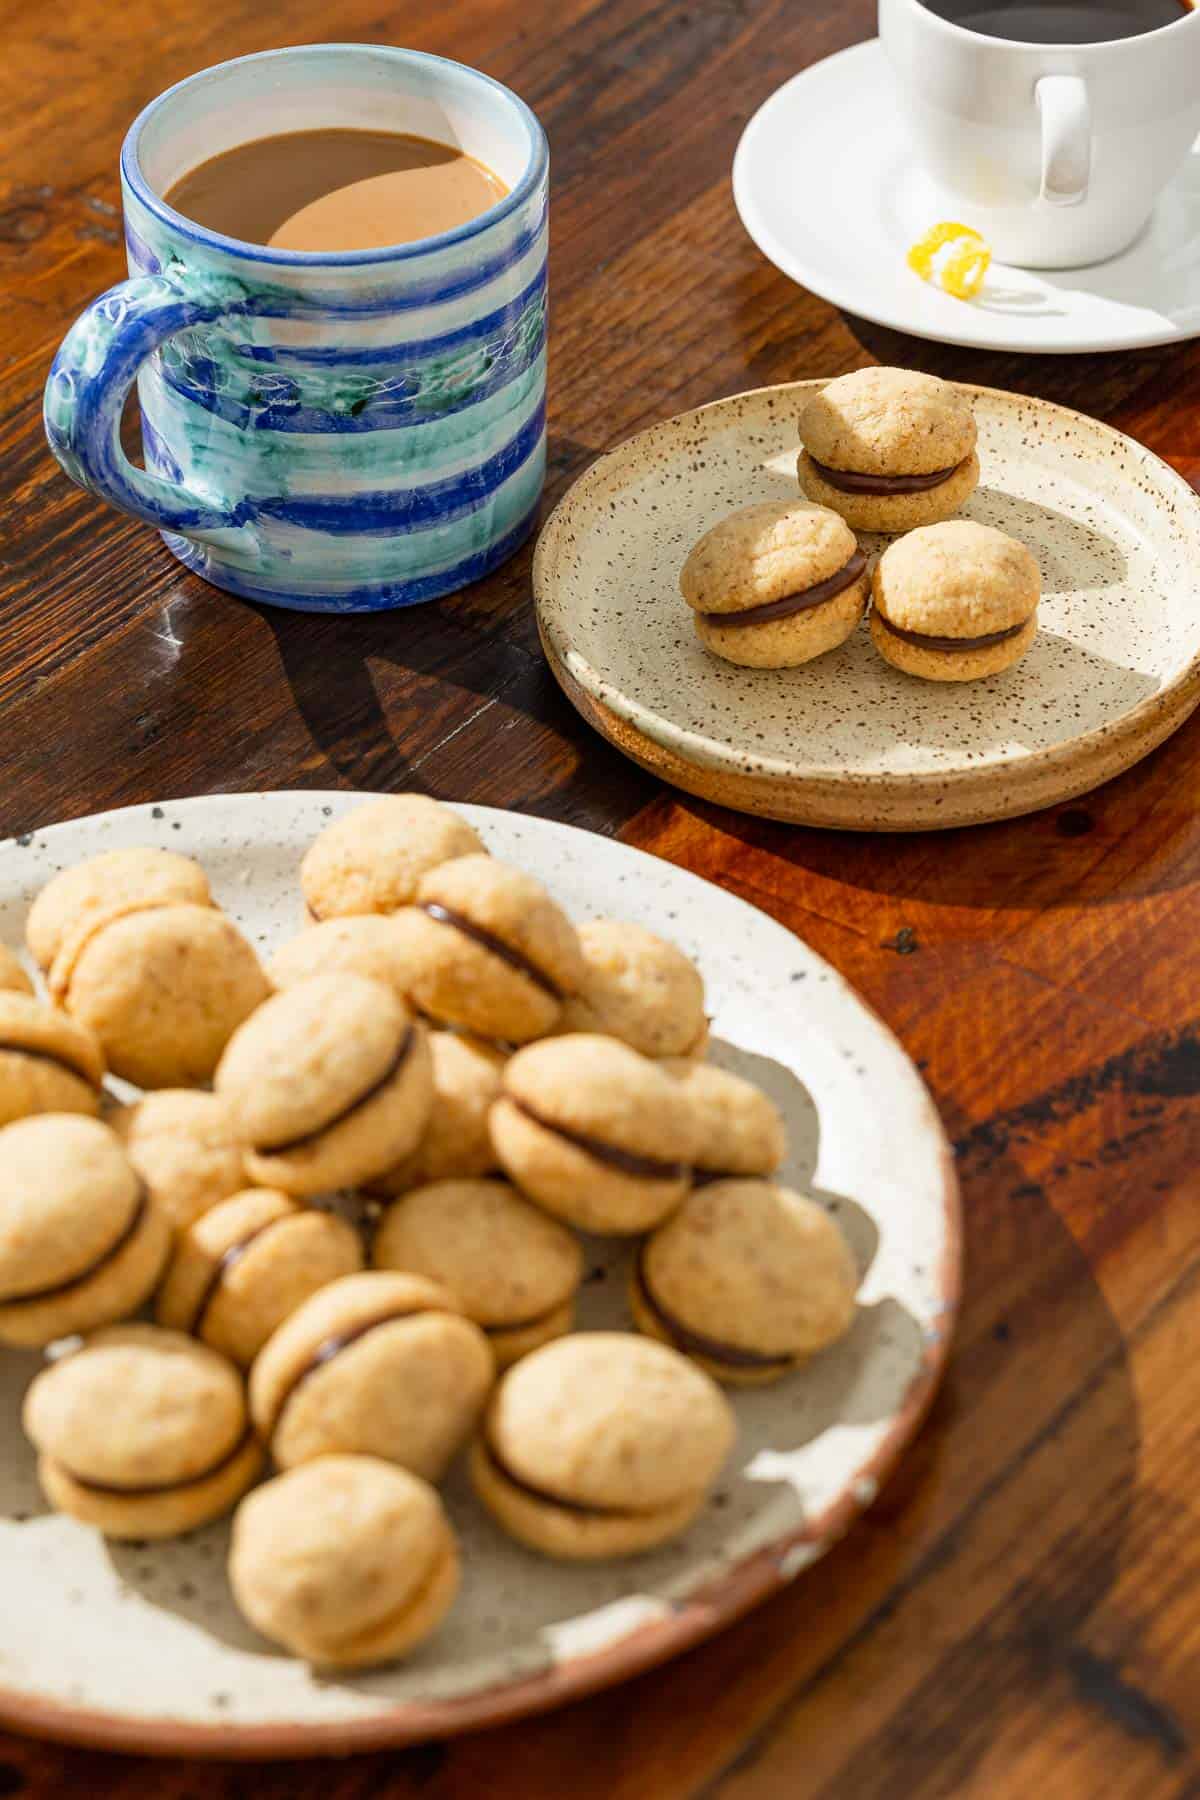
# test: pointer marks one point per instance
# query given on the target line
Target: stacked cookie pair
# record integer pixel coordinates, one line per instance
(359, 1245)
(884, 451)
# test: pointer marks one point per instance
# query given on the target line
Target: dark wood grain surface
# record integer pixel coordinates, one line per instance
(1020, 1613)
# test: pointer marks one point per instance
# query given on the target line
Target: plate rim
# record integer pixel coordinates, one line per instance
(809, 275)
(721, 1601)
(724, 763)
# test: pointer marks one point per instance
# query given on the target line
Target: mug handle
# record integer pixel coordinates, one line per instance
(1066, 139)
(97, 364)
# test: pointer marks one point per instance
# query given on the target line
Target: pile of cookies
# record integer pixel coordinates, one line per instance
(884, 450)
(336, 1234)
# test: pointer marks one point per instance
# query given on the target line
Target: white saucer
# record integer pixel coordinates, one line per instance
(840, 224)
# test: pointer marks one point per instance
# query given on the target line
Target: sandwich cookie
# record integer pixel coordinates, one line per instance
(456, 1141)
(329, 1084)
(600, 1445)
(383, 946)
(372, 860)
(515, 1271)
(245, 1266)
(639, 988)
(595, 1133)
(500, 957)
(185, 1146)
(379, 1364)
(954, 602)
(141, 1433)
(748, 1279)
(109, 884)
(48, 1063)
(776, 584)
(13, 979)
(81, 1242)
(162, 987)
(741, 1131)
(347, 1561)
(888, 449)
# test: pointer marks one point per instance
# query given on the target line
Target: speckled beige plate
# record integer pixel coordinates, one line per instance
(140, 1648)
(848, 741)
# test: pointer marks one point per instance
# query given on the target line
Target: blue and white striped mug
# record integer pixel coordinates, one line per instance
(330, 432)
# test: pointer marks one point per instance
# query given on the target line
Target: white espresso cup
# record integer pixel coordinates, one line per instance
(1055, 152)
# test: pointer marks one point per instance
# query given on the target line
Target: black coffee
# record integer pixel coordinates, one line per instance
(1061, 21)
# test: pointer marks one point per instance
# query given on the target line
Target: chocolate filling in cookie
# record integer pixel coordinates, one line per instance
(126, 1234)
(53, 1057)
(333, 1346)
(545, 1497)
(339, 1118)
(847, 482)
(626, 1162)
(228, 1260)
(951, 644)
(693, 1343)
(791, 604)
(148, 1490)
(515, 959)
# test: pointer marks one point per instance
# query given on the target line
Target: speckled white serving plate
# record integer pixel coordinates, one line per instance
(848, 741)
(140, 1648)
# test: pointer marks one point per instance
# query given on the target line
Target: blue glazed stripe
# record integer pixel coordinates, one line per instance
(272, 301)
(326, 461)
(402, 509)
(369, 596)
(158, 456)
(316, 560)
(441, 377)
(523, 313)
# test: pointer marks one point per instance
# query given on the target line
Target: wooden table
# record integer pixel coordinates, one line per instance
(1020, 1613)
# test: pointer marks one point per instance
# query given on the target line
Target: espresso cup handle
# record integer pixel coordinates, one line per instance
(97, 364)
(1066, 139)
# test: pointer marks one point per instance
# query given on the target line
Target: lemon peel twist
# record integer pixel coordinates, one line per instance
(960, 271)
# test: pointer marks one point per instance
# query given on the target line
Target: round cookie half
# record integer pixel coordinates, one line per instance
(383, 946)
(595, 1133)
(640, 988)
(244, 1266)
(748, 1279)
(48, 1063)
(372, 860)
(515, 1271)
(163, 989)
(114, 881)
(955, 601)
(347, 1561)
(142, 1433)
(591, 1447)
(740, 1130)
(378, 1364)
(185, 1146)
(775, 584)
(888, 421)
(329, 1084)
(789, 642)
(500, 956)
(946, 664)
(81, 1242)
